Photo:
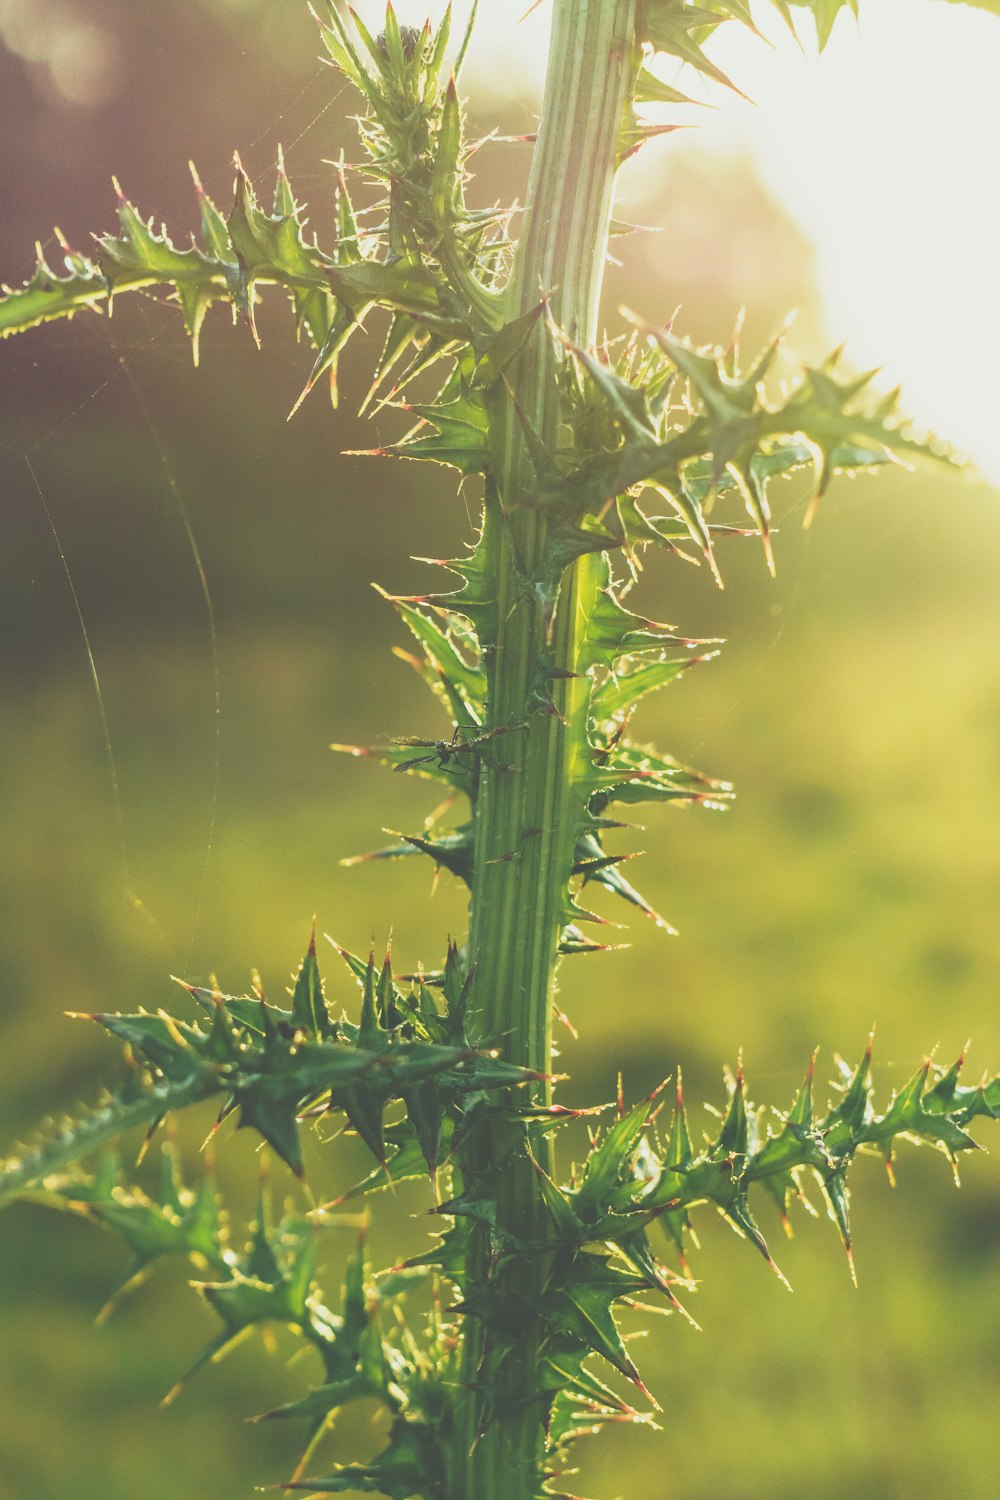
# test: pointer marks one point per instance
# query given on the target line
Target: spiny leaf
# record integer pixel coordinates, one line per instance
(580, 1307)
(452, 430)
(635, 679)
(612, 1155)
(142, 1103)
(273, 1281)
(932, 1108)
(498, 351)
(275, 1065)
(176, 1221)
(675, 27)
(449, 648)
(245, 250)
(629, 773)
(408, 1466)
(825, 13)
(48, 295)
(728, 437)
(309, 1011)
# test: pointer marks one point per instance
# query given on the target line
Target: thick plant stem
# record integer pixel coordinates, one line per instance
(531, 799)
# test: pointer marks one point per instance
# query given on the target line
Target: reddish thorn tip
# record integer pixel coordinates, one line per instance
(850, 1262)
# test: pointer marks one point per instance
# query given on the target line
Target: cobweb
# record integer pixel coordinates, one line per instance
(152, 336)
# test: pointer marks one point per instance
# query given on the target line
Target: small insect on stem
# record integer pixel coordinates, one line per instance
(444, 751)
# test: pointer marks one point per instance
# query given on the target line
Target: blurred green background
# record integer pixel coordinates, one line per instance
(857, 707)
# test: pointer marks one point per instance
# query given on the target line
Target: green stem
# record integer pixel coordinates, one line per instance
(530, 800)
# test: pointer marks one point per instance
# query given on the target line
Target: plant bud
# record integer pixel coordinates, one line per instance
(410, 37)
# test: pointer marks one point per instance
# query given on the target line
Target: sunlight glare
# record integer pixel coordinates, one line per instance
(884, 151)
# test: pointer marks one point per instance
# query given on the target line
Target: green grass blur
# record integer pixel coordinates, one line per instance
(857, 707)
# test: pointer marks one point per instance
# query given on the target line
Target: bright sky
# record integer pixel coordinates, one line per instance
(885, 150)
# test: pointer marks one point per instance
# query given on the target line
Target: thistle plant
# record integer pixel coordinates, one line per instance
(589, 451)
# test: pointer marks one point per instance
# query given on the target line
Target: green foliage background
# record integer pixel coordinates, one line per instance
(857, 708)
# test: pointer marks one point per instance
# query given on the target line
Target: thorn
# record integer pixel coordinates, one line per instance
(678, 1306)
(300, 398)
(850, 1261)
(146, 1142)
(173, 1031)
(652, 1097)
(769, 554)
(811, 510)
(105, 1313)
(631, 1373)
(564, 1020)
(738, 327)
